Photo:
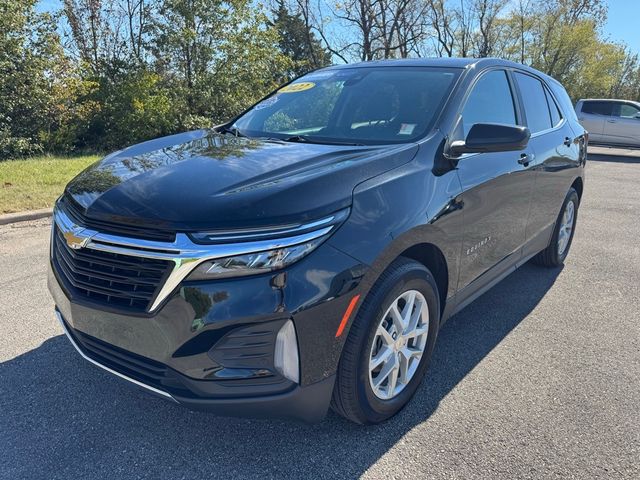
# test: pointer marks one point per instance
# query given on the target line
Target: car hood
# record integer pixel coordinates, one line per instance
(204, 180)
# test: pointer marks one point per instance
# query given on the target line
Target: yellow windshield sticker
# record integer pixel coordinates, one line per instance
(297, 87)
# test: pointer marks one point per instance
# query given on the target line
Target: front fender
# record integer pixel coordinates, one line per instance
(400, 209)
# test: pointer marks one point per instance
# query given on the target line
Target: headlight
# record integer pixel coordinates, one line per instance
(275, 248)
(253, 263)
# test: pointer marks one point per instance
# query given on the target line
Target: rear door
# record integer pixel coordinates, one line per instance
(556, 151)
(496, 187)
(623, 127)
(593, 115)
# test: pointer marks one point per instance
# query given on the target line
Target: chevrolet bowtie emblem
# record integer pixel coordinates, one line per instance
(75, 239)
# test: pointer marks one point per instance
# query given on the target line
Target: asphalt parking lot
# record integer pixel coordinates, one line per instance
(539, 378)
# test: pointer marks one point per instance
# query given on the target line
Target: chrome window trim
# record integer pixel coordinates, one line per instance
(549, 130)
(185, 254)
(104, 367)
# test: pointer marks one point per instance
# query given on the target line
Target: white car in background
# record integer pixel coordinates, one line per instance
(610, 122)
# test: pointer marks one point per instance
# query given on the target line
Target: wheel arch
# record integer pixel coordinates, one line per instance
(432, 258)
(430, 247)
(578, 185)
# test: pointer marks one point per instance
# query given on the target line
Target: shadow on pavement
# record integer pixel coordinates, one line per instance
(616, 155)
(60, 417)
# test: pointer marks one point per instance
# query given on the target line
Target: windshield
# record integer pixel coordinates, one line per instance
(352, 106)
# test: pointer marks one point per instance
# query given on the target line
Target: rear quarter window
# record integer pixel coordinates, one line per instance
(564, 101)
(556, 114)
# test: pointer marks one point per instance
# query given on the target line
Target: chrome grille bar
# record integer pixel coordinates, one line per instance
(183, 252)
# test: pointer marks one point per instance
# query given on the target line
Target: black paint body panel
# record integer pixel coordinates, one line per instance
(204, 180)
(483, 214)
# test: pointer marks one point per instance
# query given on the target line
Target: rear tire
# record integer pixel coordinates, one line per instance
(404, 302)
(558, 249)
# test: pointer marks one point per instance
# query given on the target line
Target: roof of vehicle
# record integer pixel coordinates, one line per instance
(621, 100)
(450, 62)
(444, 62)
(412, 62)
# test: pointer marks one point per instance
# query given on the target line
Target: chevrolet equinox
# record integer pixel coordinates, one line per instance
(305, 254)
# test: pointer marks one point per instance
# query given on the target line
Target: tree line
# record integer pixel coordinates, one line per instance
(98, 75)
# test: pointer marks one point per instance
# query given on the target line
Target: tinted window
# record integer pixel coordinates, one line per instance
(556, 116)
(353, 105)
(626, 110)
(490, 101)
(535, 102)
(311, 115)
(597, 108)
(563, 99)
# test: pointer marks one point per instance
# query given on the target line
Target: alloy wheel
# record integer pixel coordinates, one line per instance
(566, 227)
(398, 344)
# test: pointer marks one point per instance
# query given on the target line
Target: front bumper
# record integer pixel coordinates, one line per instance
(210, 346)
(305, 403)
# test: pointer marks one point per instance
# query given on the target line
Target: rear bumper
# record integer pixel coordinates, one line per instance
(308, 403)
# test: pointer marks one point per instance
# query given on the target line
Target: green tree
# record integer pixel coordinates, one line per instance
(218, 56)
(30, 67)
(134, 106)
(297, 41)
(562, 38)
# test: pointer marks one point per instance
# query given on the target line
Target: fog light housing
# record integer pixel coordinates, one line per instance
(286, 358)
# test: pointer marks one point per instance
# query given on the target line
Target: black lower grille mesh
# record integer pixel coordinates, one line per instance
(118, 281)
(142, 369)
(137, 367)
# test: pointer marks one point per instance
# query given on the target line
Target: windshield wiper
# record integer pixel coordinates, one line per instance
(297, 139)
(303, 139)
(235, 131)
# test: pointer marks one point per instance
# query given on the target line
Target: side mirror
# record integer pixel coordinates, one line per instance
(491, 137)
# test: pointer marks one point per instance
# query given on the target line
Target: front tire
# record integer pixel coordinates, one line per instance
(558, 249)
(389, 346)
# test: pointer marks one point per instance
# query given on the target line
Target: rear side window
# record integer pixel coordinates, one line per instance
(490, 101)
(556, 116)
(597, 108)
(534, 99)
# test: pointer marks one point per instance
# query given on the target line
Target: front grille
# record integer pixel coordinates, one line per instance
(104, 278)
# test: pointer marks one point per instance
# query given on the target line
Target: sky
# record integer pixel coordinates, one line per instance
(622, 25)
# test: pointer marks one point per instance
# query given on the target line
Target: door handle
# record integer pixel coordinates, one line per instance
(611, 121)
(524, 159)
(568, 141)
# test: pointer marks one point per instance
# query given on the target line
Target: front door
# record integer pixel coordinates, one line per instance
(623, 127)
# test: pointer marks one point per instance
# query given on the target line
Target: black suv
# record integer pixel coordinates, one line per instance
(306, 253)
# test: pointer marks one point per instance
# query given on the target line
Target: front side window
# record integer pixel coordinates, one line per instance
(626, 110)
(534, 99)
(490, 101)
(363, 105)
(597, 108)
